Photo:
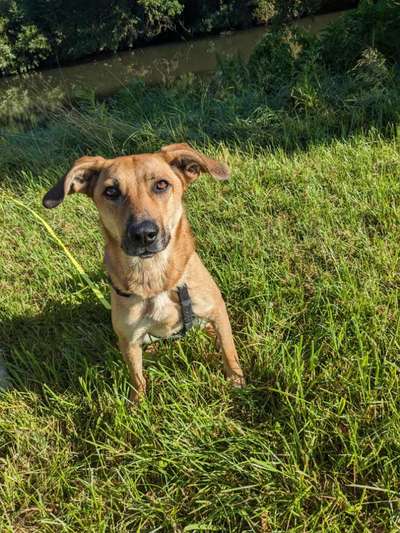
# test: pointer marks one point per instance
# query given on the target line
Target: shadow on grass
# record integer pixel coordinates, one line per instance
(66, 342)
(56, 346)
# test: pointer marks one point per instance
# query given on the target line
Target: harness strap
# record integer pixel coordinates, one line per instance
(186, 308)
(184, 300)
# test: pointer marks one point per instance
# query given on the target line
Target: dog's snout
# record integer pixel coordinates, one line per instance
(143, 233)
(144, 238)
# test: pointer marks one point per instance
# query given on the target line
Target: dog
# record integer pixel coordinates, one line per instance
(159, 284)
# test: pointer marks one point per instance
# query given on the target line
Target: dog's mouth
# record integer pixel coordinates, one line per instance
(146, 255)
(145, 252)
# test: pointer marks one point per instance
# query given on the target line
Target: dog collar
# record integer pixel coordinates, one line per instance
(118, 291)
(184, 300)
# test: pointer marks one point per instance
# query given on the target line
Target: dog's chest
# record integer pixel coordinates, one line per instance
(159, 316)
(161, 309)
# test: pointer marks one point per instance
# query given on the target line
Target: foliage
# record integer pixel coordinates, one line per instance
(34, 33)
(22, 45)
(355, 77)
(273, 60)
(372, 25)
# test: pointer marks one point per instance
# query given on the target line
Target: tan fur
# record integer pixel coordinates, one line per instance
(154, 308)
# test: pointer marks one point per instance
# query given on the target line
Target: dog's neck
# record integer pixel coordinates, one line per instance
(148, 277)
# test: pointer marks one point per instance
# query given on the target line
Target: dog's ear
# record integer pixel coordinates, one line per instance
(80, 178)
(190, 163)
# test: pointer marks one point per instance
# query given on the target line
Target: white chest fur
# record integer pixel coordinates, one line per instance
(159, 316)
(161, 307)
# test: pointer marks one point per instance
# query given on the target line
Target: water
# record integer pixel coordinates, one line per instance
(21, 96)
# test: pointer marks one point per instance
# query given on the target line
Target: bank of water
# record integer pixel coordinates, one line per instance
(24, 96)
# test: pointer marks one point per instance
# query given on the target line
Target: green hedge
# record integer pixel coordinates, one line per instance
(37, 33)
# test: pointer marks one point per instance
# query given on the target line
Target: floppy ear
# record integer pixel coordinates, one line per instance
(190, 163)
(80, 178)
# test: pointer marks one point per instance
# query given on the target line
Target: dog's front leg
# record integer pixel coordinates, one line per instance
(222, 326)
(132, 352)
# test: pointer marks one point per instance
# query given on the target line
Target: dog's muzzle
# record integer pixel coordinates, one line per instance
(143, 239)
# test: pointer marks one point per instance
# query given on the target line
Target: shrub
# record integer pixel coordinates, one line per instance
(372, 25)
(22, 45)
(364, 40)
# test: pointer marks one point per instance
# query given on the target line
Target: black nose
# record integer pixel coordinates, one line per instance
(143, 233)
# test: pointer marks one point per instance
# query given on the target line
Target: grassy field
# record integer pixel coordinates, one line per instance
(304, 243)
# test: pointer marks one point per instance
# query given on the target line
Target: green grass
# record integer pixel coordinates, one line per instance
(304, 244)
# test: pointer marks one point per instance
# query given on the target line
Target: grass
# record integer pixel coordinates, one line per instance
(303, 242)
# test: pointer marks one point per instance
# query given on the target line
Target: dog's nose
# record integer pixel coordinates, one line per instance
(143, 233)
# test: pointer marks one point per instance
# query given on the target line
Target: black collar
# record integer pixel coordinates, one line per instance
(118, 291)
(184, 300)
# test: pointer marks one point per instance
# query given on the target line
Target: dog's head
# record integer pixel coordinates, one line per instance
(139, 197)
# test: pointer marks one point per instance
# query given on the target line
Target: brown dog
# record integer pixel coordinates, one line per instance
(149, 252)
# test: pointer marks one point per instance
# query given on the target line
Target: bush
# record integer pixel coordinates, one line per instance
(373, 25)
(273, 60)
(364, 42)
(22, 45)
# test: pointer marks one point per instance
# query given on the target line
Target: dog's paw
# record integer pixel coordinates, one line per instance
(136, 396)
(237, 381)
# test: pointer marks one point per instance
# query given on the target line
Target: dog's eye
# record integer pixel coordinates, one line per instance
(161, 186)
(112, 192)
